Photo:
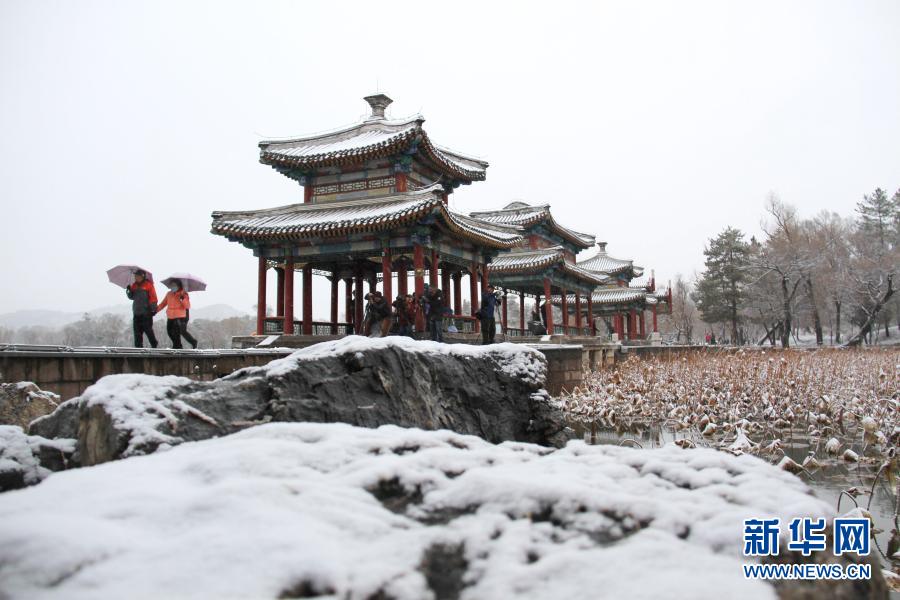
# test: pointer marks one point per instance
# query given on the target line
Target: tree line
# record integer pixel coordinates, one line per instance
(822, 273)
(115, 331)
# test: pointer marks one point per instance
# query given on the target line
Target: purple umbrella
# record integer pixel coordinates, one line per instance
(191, 283)
(123, 275)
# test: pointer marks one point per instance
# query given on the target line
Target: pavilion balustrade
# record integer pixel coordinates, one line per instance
(275, 325)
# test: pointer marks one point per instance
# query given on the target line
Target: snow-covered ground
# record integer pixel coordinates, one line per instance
(348, 512)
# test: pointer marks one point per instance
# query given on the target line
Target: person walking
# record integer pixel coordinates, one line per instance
(177, 303)
(435, 301)
(488, 309)
(143, 306)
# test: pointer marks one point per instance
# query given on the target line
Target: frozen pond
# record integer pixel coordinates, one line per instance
(828, 482)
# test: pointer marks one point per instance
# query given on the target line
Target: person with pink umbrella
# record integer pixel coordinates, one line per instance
(177, 303)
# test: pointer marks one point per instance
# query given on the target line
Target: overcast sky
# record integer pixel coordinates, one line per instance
(651, 124)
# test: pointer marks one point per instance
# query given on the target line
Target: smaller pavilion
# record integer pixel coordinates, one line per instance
(543, 265)
(621, 303)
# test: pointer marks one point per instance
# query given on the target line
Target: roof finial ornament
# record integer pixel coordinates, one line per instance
(602, 246)
(378, 102)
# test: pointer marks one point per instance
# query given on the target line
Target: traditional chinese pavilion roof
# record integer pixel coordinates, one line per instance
(529, 261)
(299, 221)
(526, 215)
(375, 137)
(602, 262)
(617, 295)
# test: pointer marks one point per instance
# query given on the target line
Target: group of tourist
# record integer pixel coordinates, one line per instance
(399, 318)
(144, 307)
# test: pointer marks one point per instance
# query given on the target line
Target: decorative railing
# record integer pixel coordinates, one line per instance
(275, 325)
(516, 332)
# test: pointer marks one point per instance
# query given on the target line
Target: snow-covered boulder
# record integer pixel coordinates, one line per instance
(491, 391)
(23, 402)
(27, 459)
(308, 510)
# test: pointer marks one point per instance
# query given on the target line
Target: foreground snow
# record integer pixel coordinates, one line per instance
(334, 509)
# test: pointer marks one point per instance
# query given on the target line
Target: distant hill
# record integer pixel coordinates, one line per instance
(57, 318)
(31, 318)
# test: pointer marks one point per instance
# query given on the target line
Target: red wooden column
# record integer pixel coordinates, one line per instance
(400, 181)
(564, 304)
(632, 324)
(503, 312)
(643, 332)
(433, 271)
(548, 305)
(261, 296)
(289, 296)
(387, 273)
(402, 279)
(307, 193)
(457, 293)
(348, 300)
(578, 321)
(307, 300)
(473, 293)
(419, 280)
(279, 295)
(358, 304)
(334, 303)
(445, 283)
(522, 311)
(590, 312)
(485, 270)
(655, 329)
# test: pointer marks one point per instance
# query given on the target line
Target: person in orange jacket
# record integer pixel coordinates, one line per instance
(143, 305)
(178, 309)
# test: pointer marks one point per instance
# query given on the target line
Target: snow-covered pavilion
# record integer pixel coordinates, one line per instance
(375, 204)
(542, 265)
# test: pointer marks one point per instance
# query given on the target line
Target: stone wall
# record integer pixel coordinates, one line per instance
(69, 373)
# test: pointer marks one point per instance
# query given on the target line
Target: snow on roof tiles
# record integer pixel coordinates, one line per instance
(525, 215)
(371, 214)
(372, 138)
(518, 261)
(602, 262)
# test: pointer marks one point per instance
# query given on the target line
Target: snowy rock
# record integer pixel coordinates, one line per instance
(23, 402)
(27, 459)
(491, 391)
(306, 509)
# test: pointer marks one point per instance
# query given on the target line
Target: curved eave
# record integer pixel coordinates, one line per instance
(227, 224)
(540, 265)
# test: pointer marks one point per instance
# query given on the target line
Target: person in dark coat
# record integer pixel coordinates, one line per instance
(435, 299)
(488, 311)
(379, 315)
(404, 314)
(143, 306)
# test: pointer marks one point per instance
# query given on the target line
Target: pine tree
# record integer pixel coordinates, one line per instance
(879, 215)
(721, 289)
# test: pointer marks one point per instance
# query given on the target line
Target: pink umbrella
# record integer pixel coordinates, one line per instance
(123, 275)
(191, 283)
